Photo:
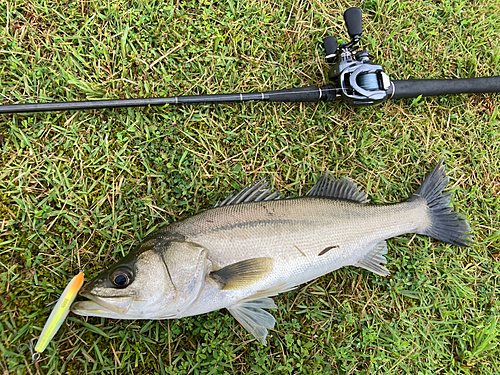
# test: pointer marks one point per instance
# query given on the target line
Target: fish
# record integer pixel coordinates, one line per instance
(256, 244)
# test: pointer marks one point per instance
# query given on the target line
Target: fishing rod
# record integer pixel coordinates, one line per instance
(356, 80)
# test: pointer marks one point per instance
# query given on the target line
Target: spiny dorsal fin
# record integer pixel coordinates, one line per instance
(374, 259)
(345, 188)
(254, 193)
(244, 273)
(254, 318)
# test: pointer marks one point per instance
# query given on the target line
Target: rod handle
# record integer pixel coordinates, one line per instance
(414, 88)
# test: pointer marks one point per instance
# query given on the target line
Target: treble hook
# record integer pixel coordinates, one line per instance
(35, 356)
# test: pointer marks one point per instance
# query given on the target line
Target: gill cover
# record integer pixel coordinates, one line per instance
(186, 266)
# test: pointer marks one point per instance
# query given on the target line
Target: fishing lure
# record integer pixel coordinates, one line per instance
(60, 312)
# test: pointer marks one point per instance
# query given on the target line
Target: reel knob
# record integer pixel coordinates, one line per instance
(352, 18)
(330, 44)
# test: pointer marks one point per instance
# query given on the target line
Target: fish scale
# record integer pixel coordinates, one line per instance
(319, 224)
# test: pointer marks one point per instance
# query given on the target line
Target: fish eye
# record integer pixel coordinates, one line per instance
(121, 277)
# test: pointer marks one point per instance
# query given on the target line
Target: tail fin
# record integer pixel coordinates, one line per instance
(446, 225)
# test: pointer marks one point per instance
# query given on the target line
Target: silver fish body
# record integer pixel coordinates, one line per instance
(254, 246)
(305, 238)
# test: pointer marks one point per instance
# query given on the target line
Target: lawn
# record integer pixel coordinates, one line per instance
(81, 189)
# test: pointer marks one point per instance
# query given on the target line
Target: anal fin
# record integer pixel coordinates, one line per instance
(374, 260)
(253, 318)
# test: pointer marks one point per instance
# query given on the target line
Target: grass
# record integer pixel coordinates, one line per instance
(80, 189)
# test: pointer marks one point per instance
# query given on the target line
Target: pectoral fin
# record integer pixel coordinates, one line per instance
(374, 260)
(251, 315)
(244, 273)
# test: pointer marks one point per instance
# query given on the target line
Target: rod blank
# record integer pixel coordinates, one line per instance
(300, 94)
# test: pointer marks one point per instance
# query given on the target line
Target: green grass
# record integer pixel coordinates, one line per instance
(81, 189)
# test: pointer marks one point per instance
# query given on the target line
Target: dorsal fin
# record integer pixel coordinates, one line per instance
(345, 188)
(254, 193)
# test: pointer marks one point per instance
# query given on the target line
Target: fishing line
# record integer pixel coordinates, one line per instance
(368, 81)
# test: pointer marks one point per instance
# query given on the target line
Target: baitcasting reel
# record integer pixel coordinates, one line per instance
(361, 82)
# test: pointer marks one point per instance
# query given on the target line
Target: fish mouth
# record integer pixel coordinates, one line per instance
(103, 306)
